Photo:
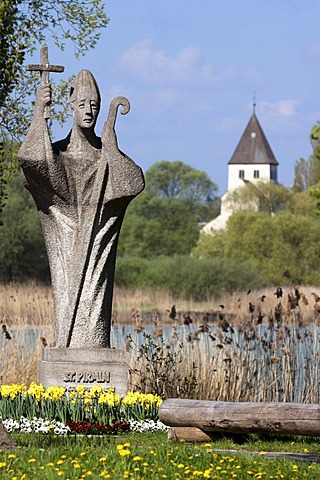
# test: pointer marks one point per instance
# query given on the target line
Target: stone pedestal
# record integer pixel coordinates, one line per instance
(69, 367)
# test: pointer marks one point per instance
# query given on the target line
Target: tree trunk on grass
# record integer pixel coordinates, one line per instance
(6, 442)
(242, 417)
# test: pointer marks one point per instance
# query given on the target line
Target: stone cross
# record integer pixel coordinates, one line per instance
(44, 68)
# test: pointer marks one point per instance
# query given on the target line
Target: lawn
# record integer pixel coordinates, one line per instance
(150, 456)
(267, 352)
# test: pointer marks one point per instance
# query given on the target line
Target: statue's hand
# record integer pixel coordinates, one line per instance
(43, 97)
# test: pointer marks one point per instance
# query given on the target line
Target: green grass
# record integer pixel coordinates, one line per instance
(150, 456)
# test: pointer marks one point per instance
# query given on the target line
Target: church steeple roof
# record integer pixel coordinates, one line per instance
(253, 147)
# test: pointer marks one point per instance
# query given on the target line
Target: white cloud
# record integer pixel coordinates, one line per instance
(158, 67)
(161, 99)
(115, 90)
(283, 108)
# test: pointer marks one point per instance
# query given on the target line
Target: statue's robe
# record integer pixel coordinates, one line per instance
(81, 201)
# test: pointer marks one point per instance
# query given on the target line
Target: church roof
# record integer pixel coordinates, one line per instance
(253, 147)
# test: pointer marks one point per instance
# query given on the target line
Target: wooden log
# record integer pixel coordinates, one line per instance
(189, 434)
(6, 442)
(242, 417)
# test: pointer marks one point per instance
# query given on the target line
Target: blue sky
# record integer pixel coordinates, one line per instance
(190, 70)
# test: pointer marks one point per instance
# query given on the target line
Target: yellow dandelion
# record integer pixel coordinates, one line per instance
(124, 452)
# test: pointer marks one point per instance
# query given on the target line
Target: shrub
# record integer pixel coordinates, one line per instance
(189, 276)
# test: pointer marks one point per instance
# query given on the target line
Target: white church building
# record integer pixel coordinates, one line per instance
(252, 160)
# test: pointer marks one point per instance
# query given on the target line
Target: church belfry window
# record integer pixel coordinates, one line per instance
(256, 174)
(241, 173)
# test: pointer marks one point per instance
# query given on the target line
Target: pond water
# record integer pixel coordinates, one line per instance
(289, 351)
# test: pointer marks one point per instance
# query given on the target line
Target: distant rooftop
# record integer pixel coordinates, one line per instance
(253, 147)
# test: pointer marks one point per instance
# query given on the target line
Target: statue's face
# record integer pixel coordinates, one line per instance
(85, 110)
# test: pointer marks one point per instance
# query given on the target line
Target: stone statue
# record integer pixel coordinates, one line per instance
(82, 186)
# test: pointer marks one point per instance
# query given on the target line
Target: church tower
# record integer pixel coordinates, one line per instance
(252, 160)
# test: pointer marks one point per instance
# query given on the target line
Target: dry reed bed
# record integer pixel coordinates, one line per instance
(32, 304)
(254, 346)
(24, 305)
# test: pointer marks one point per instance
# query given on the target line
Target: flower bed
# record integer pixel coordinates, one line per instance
(79, 410)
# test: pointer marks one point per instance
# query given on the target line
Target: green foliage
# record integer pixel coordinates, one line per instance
(158, 226)
(151, 456)
(179, 180)
(189, 276)
(3, 182)
(164, 219)
(24, 26)
(314, 193)
(210, 246)
(302, 176)
(95, 405)
(12, 46)
(271, 198)
(303, 203)
(307, 172)
(22, 254)
(271, 244)
(261, 196)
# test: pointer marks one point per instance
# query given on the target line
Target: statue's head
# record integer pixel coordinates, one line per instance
(85, 99)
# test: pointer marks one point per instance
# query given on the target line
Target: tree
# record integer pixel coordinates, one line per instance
(164, 219)
(188, 276)
(24, 25)
(12, 46)
(178, 180)
(210, 246)
(304, 203)
(271, 244)
(22, 254)
(307, 172)
(261, 196)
